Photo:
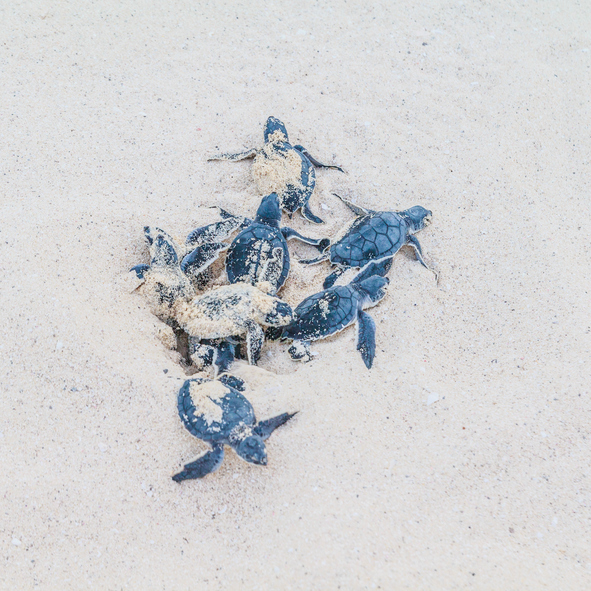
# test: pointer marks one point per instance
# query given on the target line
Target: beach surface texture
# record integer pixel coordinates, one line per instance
(461, 459)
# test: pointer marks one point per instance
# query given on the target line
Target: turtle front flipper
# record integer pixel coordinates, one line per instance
(140, 270)
(330, 280)
(255, 337)
(320, 243)
(322, 257)
(235, 157)
(366, 337)
(223, 357)
(412, 241)
(196, 262)
(307, 213)
(265, 428)
(315, 162)
(356, 209)
(206, 464)
(233, 382)
(380, 268)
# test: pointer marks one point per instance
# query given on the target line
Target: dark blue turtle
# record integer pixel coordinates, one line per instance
(204, 246)
(372, 236)
(332, 310)
(216, 412)
(284, 169)
(163, 280)
(259, 253)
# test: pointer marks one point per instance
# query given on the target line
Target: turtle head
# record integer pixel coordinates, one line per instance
(269, 211)
(280, 315)
(418, 217)
(374, 287)
(274, 129)
(251, 448)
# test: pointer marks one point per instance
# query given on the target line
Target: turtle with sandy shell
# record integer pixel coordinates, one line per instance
(164, 283)
(259, 252)
(373, 236)
(325, 313)
(228, 313)
(218, 413)
(284, 169)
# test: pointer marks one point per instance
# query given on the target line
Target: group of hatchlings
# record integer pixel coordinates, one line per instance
(223, 321)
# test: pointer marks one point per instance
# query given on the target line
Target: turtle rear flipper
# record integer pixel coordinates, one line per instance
(366, 337)
(265, 428)
(234, 157)
(209, 462)
(223, 358)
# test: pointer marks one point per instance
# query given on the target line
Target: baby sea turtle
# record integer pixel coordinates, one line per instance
(229, 311)
(330, 311)
(259, 252)
(204, 246)
(164, 282)
(372, 236)
(216, 412)
(284, 169)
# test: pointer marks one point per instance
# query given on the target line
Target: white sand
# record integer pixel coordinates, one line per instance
(477, 111)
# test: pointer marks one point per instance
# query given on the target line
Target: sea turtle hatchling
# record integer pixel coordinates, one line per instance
(228, 312)
(332, 310)
(372, 236)
(259, 252)
(163, 281)
(284, 169)
(218, 413)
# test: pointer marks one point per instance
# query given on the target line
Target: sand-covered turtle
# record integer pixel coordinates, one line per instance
(218, 413)
(284, 169)
(204, 245)
(372, 236)
(164, 283)
(231, 311)
(332, 310)
(259, 252)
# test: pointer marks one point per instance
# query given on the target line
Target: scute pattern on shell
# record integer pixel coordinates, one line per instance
(373, 236)
(324, 314)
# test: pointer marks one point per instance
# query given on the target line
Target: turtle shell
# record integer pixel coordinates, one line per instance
(324, 313)
(280, 168)
(373, 236)
(250, 252)
(210, 410)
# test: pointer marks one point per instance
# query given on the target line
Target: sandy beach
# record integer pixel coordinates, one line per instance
(461, 459)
